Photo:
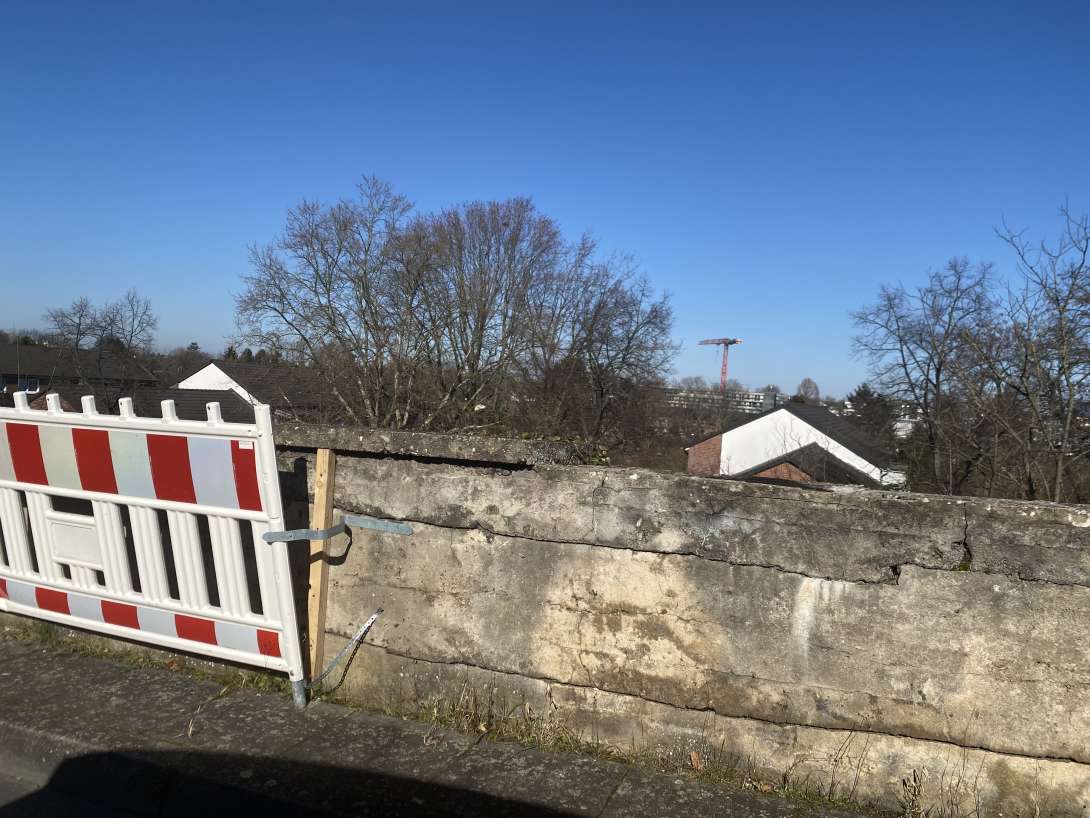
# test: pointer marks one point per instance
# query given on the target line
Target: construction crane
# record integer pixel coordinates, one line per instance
(726, 343)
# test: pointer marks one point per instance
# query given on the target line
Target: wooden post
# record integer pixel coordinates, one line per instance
(325, 475)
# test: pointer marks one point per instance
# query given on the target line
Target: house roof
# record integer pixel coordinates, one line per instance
(54, 364)
(817, 462)
(837, 428)
(843, 431)
(37, 361)
(189, 404)
(283, 386)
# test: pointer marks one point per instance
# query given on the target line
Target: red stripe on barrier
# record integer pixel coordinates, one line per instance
(198, 630)
(268, 643)
(94, 461)
(170, 471)
(193, 628)
(50, 600)
(119, 613)
(26, 453)
(245, 464)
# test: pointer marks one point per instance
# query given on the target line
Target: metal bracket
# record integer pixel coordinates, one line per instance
(353, 520)
(375, 524)
(303, 534)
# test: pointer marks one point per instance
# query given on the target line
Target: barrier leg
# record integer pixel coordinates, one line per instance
(299, 693)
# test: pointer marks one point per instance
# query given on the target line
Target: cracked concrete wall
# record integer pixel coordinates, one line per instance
(841, 637)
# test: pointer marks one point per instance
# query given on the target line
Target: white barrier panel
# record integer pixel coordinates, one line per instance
(148, 529)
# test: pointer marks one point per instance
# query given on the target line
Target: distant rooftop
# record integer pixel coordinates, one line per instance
(52, 364)
(189, 404)
(285, 387)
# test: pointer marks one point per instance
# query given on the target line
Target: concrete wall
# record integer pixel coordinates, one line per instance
(841, 638)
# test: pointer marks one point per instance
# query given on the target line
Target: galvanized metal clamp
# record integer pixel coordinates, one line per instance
(348, 520)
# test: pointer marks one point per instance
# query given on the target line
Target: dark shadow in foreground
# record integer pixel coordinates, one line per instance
(146, 783)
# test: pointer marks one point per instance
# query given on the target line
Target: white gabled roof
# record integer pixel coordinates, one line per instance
(212, 377)
(781, 431)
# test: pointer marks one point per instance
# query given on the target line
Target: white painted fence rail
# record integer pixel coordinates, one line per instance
(148, 529)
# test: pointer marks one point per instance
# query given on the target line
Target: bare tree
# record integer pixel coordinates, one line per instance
(480, 316)
(623, 340)
(808, 391)
(1031, 361)
(913, 339)
(336, 291)
(691, 382)
(1000, 379)
(106, 345)
(492, 261)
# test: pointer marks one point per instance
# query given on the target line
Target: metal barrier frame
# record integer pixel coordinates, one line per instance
(67, 590)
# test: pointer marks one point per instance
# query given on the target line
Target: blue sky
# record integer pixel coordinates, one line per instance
(768, 164)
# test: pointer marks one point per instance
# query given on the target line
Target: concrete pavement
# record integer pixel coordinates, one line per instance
(13, 787)
(116, 739)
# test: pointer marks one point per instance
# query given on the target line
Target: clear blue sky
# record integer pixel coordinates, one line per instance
(768, 164)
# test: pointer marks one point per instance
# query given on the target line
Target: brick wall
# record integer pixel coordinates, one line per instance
(786, 471)
(704, 456)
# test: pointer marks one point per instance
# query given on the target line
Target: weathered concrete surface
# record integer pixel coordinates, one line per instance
(1033, 541)
(935, 633)
(860, 766)
(157, 743)
(424, 444)
(859, 536)
(980, 661)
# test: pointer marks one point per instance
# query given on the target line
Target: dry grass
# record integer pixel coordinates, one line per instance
(492, 715)
(136, 655)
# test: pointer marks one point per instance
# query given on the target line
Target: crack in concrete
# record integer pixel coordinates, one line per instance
(488, 530)
(623, 777)
(892, 579)
(711, 710)
(967, 559)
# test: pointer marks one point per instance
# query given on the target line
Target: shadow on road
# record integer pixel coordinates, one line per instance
(147, 783)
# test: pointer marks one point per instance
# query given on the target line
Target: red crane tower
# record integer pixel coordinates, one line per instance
(726, 343)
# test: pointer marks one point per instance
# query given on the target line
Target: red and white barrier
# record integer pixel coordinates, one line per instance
(171, 552)
(245, 638)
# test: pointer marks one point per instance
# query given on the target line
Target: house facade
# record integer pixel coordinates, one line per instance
(750, 403)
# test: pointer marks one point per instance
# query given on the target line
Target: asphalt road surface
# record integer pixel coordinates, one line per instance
(14, 788)
(21, 797)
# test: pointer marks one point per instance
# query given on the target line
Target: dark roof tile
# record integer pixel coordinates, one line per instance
(50, 364)
(841, 430)
(283, 386)
(821, 465)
